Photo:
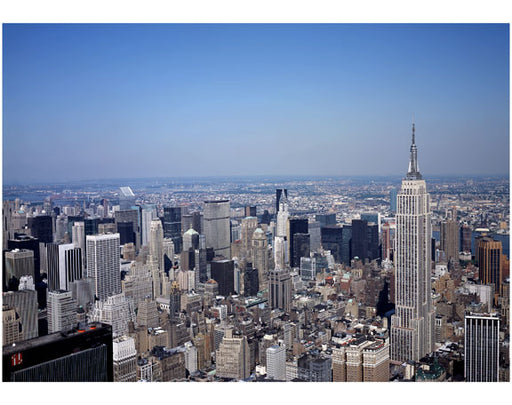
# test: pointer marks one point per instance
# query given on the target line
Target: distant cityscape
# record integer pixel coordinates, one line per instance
(342, 279)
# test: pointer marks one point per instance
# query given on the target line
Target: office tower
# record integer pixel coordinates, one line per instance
(280, 252)
(24, 303)
(281, 193)
(91, 226)
(61, 311)
(280, 289)
(412, 326)
(191, 353)
(61, 227)
(372, 217)
(103, 264)
(201, 266)
(326, 219)
(259, 255)
(276, 362)
(52, 265)
(126, 198)
(489, 260)
(174, 301)
(450, 239)
(190, 240)
(148, 214)
(465, 238)
(481, 347)
(251, 281)
(173, 226)
(247, 228)
(295, 226)
(81, 356)
(216, 227)
(78, 238)
(41, 227)
(126, 233)
(373, 241)
(191, 220)
(392, 199)
(223, 273)
(18, 263)
(359, 239)
(386, 241)
(115, 310)
(315, 235)
(124, 355)
(282, 219)
(362, 359)
(332, 239)
(300, 248)
(107, 228)
(265, 217)
(156, 242)
(346, 245)
(132, 216)
(138, 283)
(69, 267)
(233, 357)
(168, 248)
(308, 268)
(250, 211)
(22, 241)
(11, 326)
(147, 313)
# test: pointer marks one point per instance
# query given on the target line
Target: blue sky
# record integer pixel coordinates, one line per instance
(121, 100)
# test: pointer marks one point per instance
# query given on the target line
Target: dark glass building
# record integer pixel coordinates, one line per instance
(172, 226)
(359, 239)
(331, 239)
(223, 272)
(296, 225)
(346, 244)
(326, 219)
(83, 355)
(300, 248)
(41, 228)
(251, 281)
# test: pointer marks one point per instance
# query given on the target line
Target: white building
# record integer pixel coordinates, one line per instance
(125, 359)
(103, 264)
(61, 311)
(148, 214)
(116, 311)
(412, 326)
(156, 242)
(276, 362)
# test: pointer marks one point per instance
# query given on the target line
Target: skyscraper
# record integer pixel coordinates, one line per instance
(84, 355)
(280, 289)
(216, 226)
(18, 262)
(450, 239)
(156, 237)
(481, 347)
(61, 310)
(148, 214)
(280, 192)
(173, 226)
(489, 260)
(103, 264)
(296, 226)
(412, 326)
(276, 362)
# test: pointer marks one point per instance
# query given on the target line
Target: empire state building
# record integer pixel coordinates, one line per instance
(412, 326)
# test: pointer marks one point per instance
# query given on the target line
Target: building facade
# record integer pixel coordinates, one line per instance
(412, 326)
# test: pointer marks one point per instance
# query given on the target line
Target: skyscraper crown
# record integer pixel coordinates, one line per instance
(413, 173)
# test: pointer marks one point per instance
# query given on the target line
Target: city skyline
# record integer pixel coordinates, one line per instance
(88, 101)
